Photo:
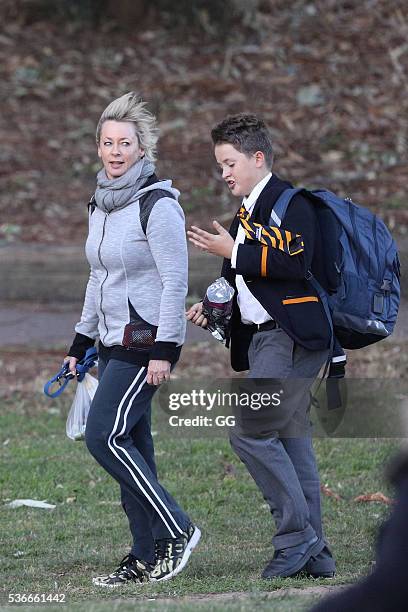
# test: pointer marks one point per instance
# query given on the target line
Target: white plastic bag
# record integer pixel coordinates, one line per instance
(78, 413)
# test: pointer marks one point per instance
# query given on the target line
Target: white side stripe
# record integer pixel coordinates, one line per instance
(112, 440)
(137, 467)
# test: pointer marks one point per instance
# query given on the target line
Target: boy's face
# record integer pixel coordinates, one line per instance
(241, 172)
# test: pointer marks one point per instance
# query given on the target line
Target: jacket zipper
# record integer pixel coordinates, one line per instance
(104, 280)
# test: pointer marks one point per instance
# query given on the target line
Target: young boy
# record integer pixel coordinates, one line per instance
(278, 331)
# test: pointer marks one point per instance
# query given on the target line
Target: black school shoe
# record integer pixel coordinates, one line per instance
(290, 561)
(130, 569)
(172, 554)
(321, 565)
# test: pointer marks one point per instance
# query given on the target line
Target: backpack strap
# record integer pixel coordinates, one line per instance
(91, 205)
(281, 205)
(146, 203)
(336, 360)
(325, 302)
(277, 214)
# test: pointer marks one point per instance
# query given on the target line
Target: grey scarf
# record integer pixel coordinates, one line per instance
(113, 194)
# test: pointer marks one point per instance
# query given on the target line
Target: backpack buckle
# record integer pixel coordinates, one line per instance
(386, 285)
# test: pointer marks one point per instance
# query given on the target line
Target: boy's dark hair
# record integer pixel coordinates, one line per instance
(247, 133)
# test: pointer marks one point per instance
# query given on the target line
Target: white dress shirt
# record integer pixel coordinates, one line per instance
(251, 310)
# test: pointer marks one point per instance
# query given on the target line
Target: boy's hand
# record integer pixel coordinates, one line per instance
(220, 244)
(195, 315)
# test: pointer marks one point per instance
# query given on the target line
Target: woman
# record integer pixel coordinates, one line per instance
(134, 303)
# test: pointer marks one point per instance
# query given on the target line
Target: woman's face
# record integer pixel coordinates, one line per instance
(118, 147)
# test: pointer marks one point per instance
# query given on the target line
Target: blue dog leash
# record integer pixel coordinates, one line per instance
(64, 375)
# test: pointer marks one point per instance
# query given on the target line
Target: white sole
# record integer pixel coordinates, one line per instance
(98, 583)
(189, 549)
(115, 586)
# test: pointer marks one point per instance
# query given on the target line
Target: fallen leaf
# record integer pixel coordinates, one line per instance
(326, 491)
(374, 497)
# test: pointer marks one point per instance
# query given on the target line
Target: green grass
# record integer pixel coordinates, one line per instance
(58, 551)
(260, 602)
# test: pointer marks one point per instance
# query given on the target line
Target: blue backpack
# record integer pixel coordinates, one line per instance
(362, 292)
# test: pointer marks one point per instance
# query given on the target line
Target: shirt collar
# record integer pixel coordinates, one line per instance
(249, 201)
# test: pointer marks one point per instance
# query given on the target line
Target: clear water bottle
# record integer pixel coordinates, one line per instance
(217, 308)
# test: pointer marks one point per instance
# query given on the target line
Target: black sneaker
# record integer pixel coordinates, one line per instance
(172, 554)
(130, 569)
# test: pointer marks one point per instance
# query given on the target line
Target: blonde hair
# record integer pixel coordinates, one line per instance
(130, 107)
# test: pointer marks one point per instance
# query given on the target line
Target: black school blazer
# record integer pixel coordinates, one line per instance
(277, 280)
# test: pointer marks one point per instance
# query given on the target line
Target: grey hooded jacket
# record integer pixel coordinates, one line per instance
(133, 272)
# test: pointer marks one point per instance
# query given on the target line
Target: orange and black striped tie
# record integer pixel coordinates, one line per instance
(268, 235)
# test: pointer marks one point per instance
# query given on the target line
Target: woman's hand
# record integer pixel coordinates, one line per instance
(72, 364)
(195, 315)
(158, 371)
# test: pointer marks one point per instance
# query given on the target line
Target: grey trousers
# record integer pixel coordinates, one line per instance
(281, 462)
